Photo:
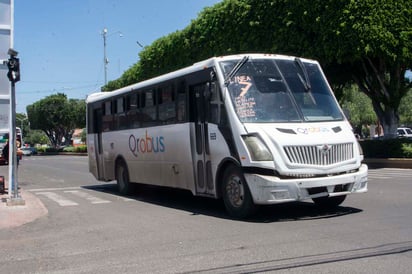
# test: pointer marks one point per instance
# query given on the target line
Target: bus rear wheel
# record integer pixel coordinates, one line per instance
(122, 177)
(236, 194)
(329, 202)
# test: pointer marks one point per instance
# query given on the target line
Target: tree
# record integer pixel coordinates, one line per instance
(57, 117)
(366, 42)
(36, 137)
(22, 122)
(360, 109)
(405, 110)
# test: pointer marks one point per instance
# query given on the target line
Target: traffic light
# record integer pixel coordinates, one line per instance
(14, 69)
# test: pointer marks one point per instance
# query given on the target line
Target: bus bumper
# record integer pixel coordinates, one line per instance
(273, 190)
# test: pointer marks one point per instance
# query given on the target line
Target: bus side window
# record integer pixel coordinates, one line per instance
(181, 102)
(167, 106)
(107, 119)
(148, 114)
(121, 121)
(216, 104)
(132, 106)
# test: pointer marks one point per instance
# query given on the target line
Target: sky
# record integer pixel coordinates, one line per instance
(60, 43)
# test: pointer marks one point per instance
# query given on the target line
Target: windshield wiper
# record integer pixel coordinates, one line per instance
(305, 81)
(235, 69)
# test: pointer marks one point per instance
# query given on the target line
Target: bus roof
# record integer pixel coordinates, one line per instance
(94, 97)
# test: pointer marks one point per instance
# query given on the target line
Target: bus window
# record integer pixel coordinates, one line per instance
(107, 116)
(149, 109)
(181, 102)
(121, 120)
(167, 106)
(132, 110)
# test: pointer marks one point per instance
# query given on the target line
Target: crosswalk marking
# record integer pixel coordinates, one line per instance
(53, 189)
(62, 201)
(87, 196)
(60, 195)
(389, 173)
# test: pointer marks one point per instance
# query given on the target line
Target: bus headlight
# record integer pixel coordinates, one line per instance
(257, 149)
(360, 150)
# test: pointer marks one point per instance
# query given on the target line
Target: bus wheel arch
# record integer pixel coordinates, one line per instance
(122, 176)
(235, 192)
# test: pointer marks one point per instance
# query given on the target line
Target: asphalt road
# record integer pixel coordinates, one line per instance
(90, 228)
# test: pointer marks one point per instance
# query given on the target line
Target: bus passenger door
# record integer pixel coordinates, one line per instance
(199, 98)
(98, 149)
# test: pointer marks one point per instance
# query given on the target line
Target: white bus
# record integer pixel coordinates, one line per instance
(251, 129)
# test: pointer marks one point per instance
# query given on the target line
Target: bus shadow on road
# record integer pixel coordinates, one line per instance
(195, 205)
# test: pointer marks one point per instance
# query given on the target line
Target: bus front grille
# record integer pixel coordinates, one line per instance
(319, 155)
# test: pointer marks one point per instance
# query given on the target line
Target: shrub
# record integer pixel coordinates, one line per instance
(68, 149)
(391, 148)
(77, 149)
(81, 148)
(407, 148)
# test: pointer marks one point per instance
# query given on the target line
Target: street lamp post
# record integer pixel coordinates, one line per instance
(105, 60)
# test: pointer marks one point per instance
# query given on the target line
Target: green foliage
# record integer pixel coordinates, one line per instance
(365, 42)
(77, 149)
(83, 135)
(69, 149)
(34, 137)
(407, 150)
(389, 148)
(57, 116)
(405, 109)
(50, 150)
(359, 107)
(23, 123)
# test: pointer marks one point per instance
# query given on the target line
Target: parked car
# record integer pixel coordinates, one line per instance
(404, 132)
(33, 150)
(26, 151)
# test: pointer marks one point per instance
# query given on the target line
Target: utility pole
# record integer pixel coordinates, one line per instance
(104, 33)
(105, 59)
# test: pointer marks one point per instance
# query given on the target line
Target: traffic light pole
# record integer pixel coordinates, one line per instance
(14, 76)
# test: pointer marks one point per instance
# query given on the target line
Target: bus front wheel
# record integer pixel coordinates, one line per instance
(236, 194)
(122, 177)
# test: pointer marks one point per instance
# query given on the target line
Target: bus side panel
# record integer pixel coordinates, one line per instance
(219, 150)
(156, 156)
(91, 151)
(107, 159)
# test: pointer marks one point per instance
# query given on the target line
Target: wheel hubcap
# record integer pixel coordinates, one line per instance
(235, 191)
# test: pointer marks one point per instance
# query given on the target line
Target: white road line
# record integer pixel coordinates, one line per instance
(87, 196)
(58, 199)
(54, 189)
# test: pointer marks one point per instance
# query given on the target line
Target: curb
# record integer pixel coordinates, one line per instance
(388, 162)
(15, 215)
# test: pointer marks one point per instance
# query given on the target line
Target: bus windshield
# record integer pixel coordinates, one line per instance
(272, 91)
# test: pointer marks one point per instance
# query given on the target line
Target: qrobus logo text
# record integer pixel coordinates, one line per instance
(146, 144)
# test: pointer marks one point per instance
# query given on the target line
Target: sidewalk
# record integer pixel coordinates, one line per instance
(17, 215)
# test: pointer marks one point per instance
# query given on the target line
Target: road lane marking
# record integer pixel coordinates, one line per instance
(58, 199)
(53, 189)
(87, 196)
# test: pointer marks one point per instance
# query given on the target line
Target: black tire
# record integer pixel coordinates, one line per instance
(236, 194)
(122, 177)
(329, 202)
